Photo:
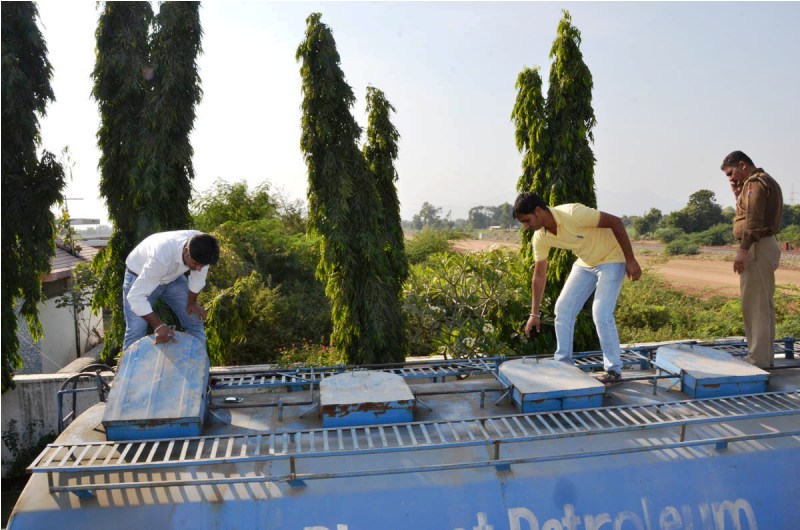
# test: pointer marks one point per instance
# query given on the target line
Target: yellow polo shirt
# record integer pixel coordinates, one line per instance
(577, 231)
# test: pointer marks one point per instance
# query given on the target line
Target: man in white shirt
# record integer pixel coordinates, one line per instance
(156, 269)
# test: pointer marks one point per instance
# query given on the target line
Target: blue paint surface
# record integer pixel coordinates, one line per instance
(160, 390)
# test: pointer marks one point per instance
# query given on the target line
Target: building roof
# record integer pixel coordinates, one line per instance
(62, 263)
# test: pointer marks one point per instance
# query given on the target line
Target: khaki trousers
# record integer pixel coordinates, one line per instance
(757, 290)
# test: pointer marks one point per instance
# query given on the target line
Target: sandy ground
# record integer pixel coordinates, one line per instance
(704, 275)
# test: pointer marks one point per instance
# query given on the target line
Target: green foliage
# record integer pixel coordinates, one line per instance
(308, 353)
(718, 235)
(481, 217)
(231, 202)
(554, 138)
(263, 291)
(682, 245)
(430, 216)
(120, 91)
(78, 297)
(791, 215)
(30, 184)
(146, 87)
(701, 213)
(668, 234)
(646, 225)
(380, 152)
(463, 305)
(651, 310)
(791, 234)
(429, 241)
(344, 207)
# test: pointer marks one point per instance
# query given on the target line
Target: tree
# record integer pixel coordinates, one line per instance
(430, 216)
(232, 202)
(30, 184)
(343, 204)
(701, 213)
(147, 87)
(380, 152)
(554, 138)
(169, 114)
(120, 91)
(648, 223)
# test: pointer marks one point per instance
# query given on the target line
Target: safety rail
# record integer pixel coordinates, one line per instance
(151, 455)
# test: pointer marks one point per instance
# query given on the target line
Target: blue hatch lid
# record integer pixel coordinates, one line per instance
(160, 390)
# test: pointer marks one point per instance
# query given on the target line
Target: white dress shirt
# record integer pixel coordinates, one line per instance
(158, 260)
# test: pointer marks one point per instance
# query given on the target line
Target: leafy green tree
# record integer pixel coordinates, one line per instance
(648, 223)
(701, 213)
(554, 136)
(430, 216)
(791, 215)
(30, 184)
(232, 202)
(120, 90)
(147, 87)
(169, 113)
(380, 152)
(344, 205)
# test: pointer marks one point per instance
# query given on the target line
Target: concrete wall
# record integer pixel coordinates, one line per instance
(57, 348)
(31, 408)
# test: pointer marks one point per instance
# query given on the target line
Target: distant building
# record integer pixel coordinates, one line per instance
(63, 340)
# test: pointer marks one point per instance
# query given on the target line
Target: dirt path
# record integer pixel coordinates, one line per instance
(702, 275)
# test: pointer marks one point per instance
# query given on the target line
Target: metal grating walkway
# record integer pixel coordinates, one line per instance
(153, 454)
(301, 377)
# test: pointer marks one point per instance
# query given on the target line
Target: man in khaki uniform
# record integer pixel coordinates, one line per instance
(759, 205)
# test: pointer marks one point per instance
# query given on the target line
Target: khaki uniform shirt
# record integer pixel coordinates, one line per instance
(758, 209)
(577, 231)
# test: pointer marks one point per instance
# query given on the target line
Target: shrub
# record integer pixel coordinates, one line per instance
(717, 235)
(668, 234)
(683, 246)
(791, 234)
(429, 241)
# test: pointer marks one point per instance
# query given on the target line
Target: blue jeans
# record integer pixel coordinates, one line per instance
(582, 281)
(175, 294)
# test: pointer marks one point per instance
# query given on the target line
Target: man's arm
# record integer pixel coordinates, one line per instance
(194, 307)
(632, 268)
(755, 216)
(537, 291)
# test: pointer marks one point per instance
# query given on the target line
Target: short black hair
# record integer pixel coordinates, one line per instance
(734, 158)
(204, 249)
(527, 202)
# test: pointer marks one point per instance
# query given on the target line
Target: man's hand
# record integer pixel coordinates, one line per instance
(164, 334)
(197, 309)
(739, 262)
(633, 270)
(533, 321)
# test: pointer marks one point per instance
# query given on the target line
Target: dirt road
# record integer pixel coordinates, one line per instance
(703, 275)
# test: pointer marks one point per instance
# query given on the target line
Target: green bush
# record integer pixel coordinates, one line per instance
(463, 305)
(429, 241)
(790, 234)
(668, 234)
(718, 235)
(682, 246)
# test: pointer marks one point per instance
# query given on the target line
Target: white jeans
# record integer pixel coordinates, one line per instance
(607, 280)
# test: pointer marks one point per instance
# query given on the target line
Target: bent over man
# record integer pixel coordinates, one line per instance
(604, 255)
(759, 206)
(157, 268)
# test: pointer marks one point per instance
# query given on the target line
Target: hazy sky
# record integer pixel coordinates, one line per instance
(676, 87)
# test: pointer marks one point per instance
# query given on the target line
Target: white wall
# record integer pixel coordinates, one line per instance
(33, 407)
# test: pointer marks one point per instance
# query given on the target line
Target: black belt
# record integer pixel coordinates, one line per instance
(127, 269)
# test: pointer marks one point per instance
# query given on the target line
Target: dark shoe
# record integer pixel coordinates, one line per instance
(611, 378)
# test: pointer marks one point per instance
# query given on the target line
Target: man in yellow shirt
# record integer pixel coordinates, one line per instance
(605, 257)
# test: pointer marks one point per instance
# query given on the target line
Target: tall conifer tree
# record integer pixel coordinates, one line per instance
(554, 136)
(381, 151)
(30, 185)
(147, 88)
(169, 114)
(344, 205)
